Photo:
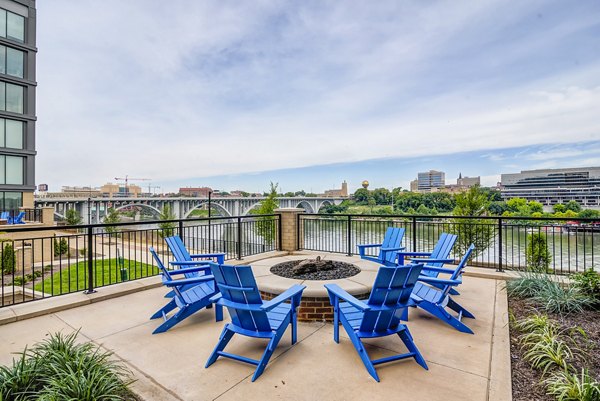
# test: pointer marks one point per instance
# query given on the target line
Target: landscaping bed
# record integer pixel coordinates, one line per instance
(526, 380)
(555, 337)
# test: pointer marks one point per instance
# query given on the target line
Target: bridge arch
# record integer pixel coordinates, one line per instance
(212, 204)
(306, 206)
(249, 208)
(155, 211)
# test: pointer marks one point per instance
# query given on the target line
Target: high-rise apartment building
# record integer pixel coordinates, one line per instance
(17, 103)
(430, 179)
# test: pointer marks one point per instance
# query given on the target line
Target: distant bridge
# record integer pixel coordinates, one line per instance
(94, 209)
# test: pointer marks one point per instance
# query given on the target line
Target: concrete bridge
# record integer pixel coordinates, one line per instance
(93, 210)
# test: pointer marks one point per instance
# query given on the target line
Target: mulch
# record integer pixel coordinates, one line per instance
(526, 380)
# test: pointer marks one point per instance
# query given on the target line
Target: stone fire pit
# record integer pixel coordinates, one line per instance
(313, 270)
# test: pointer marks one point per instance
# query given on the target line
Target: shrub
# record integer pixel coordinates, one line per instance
(19, 281)
(545, 350)
(537, 254)
(528, 284)
(59, 369)
(561, 299)
(568, 386)
(61, 247)
(534, 323)
(588, 283)
(8, 258)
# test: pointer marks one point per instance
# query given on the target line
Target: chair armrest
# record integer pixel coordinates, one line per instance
(422, 260)
(432, 280)
(415, 253)
(368, 245)
(393, 249)
(384, 308)
(195, 280)
(284, 296)
(189, 270)
(189, 263)
(336, 291)
(438, 269)
(220, 256)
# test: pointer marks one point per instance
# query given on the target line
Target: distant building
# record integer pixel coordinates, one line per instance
(201, 192)
(430, 180)
(414, 186)
(467, 182)
(42, 187)
(81, 191)
(118, 190)
(552, 186)
(342, 192)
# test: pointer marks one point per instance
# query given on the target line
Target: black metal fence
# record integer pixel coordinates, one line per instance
(570, 245)
(42, 262)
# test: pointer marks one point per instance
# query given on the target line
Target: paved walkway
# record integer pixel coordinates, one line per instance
(170, 366)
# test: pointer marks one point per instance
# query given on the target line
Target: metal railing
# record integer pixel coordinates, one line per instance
(40, 262)
(571, 245)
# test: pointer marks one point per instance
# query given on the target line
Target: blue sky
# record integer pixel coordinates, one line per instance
(235, 94)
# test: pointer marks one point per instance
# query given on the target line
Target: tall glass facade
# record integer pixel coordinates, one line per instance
(17, 103)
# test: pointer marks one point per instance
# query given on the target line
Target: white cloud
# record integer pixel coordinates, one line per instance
(170, 90)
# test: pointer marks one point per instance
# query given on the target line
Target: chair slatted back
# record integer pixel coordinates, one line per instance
(237, 284)
(392, 239)
(459, 268)
(165, 272)
(392, 288)
(178, 249)
(443, 248)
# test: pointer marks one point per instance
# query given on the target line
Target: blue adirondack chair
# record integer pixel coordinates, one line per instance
(380, 315)
(18, 219)
(5, 216)
(250, 316)
(184, 259)
(387, 249)
(436, 258)
(435, 300)
(187, 299)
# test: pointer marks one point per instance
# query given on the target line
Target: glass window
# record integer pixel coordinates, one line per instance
(13, 200)
(3, 23)
(2, 169)
(14, 134)
(14, 62)
(14, 98)
(15, 27)
(3, 59)
(14, 170)
(2, 96)
(2, 133)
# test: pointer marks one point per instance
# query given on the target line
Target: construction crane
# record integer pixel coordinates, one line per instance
(151, 188)
(127, 179)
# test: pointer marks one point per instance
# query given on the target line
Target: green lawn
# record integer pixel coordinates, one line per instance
(107, 271)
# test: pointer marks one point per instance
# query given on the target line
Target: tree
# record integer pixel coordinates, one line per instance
(589, 214)
(61, 247)
(473, 203)
(497, 208)
(112, 216)
(537, 254)
(535, 207)
(382, 196)
(264, 225)
(289, 194)
(8, 257)
(559, 208)
(300, 193)
(72, 217)
(573, 205)
(167, 229)
(362, 196)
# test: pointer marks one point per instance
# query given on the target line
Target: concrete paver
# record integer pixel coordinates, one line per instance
(171, 365)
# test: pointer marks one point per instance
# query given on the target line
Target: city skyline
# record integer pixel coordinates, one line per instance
(274, 90)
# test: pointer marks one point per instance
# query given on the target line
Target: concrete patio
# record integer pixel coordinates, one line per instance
(170, 366)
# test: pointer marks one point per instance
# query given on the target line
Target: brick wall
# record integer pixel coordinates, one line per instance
(313, 309)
